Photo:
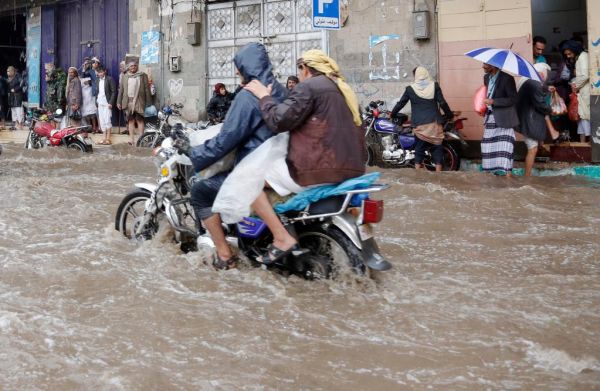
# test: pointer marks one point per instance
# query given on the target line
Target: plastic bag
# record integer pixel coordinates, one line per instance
(200, 137)
(150, 111)
(557, 104)
(247, 180)
(478, 104)
(573, 107)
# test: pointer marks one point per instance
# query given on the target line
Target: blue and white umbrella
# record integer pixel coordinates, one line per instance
(506, 60)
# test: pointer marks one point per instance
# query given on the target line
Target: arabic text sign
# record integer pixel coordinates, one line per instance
(326, 14)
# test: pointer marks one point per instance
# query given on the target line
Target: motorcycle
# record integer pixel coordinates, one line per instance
(42, 132)
(391, 142)
(168, 117)
(334, 232)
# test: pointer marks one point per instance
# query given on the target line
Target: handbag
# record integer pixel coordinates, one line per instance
(150, 111)
(478, 100)
(557, 104)
(573, 107)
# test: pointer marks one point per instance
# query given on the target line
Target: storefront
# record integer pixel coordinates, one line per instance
(465, 25)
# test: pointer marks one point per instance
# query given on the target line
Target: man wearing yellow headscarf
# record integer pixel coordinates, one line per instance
(326, 143)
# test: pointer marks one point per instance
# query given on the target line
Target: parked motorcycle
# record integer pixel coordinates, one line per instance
(391, 142)
(42, 132)
(336, 231)
(168, 117)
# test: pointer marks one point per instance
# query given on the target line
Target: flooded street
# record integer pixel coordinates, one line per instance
(496, 285)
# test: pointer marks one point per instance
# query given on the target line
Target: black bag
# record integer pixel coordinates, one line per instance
(75, 115)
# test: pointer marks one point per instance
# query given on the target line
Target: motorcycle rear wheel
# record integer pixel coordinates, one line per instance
(129, 213)
(333, 245)
(77, 145)
(451, 160)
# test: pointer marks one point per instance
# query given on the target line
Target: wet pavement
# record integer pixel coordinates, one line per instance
(495, 286)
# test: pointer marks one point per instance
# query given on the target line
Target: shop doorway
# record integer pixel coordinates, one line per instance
(557, 21)
(12, 41)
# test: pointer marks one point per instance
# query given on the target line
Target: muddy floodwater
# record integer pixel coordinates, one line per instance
(495, 285)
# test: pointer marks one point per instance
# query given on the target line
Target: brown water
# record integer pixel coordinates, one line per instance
(495, 286)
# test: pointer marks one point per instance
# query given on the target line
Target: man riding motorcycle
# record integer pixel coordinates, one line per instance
(244, 129)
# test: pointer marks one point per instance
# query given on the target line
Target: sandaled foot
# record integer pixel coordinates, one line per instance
(275, 254)
(225, 264)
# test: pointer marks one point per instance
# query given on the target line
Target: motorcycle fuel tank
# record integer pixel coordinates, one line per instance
(385, 126)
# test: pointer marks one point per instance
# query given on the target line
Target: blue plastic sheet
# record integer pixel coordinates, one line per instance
(302, 200)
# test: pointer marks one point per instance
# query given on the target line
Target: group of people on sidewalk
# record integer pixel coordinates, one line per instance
(86, 95)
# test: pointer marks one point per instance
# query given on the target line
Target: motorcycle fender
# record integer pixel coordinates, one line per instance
(147, 186)
(347, 224)
(372, 256)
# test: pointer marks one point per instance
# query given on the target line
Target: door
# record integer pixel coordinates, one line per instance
(283, 26)
(469, 24)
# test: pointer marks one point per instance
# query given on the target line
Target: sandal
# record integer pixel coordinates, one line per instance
(275, 254)
(223, 264)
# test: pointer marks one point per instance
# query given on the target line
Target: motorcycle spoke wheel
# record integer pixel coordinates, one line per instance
(147, 140)
(77, 146)
(332, 245)
(130, 214)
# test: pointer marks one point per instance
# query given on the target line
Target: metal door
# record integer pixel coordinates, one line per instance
(283, 26)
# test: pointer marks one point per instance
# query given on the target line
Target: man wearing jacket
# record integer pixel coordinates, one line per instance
(244, 129)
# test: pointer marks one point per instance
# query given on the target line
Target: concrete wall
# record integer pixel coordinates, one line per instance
(189, 85)
(466, 25)
(363, 65)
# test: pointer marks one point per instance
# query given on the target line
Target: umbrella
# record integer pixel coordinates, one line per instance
(506, 60)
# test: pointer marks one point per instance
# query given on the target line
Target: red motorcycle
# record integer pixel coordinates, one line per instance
(42, 133)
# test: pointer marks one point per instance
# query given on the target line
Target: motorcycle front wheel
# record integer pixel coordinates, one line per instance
(130, 214)
(149, 139)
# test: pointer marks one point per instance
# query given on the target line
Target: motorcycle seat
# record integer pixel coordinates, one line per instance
(326, 205)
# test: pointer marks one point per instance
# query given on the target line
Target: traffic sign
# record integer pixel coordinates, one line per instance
(326, 14)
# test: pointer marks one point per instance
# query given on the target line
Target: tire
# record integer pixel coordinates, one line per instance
(370, 157)
(333, 245)
(451, 160)
(129, 210)
(77, 145)
(147, 140)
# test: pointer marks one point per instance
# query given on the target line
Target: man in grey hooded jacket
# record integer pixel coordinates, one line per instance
(244, 129)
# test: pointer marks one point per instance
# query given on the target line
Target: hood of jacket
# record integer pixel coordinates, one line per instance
(253, 62)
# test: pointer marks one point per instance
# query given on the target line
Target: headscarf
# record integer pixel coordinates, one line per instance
(541, 68)
(423, 86)
(218, 87)
(319, 61)
(70, 78)
(574, 46)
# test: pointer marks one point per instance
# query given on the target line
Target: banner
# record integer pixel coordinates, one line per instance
(34, 45)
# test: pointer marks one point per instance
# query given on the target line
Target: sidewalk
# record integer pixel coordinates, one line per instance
(19, 137)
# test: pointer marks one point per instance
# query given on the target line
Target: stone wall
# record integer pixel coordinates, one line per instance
(359, 48)
(187, 86)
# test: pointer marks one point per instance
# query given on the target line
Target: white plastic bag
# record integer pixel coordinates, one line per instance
(247, 180)
(200, 137)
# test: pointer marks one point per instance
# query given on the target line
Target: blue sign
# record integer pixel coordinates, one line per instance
(150, 46)
(326, 14)
(34, 51)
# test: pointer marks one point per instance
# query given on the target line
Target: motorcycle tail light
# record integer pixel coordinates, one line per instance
(372, 211)
(458, 124)
(375, 113)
